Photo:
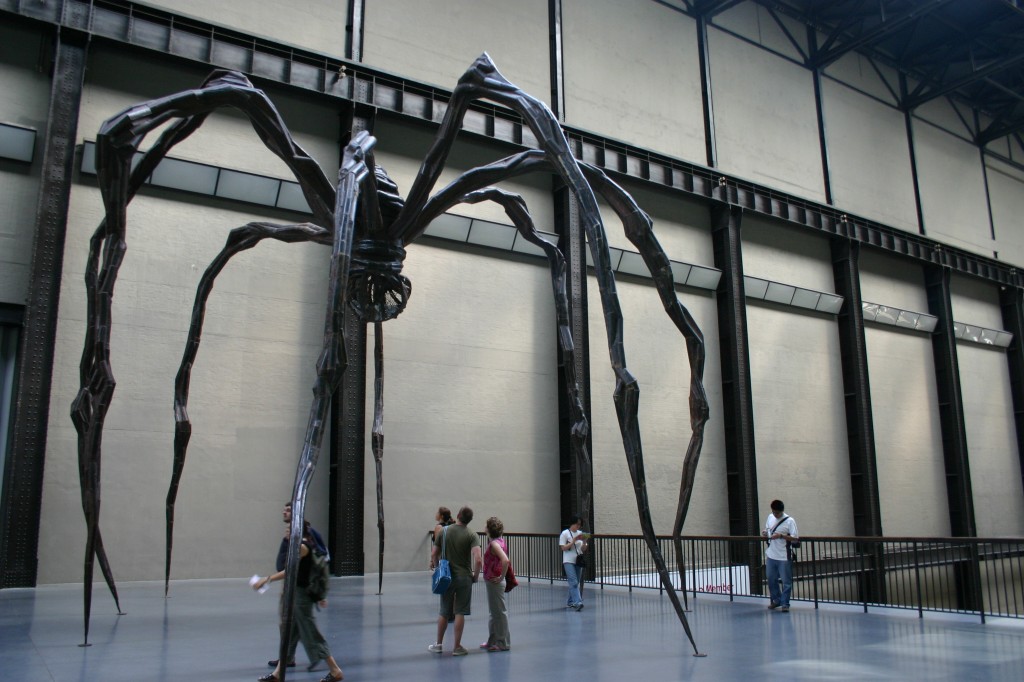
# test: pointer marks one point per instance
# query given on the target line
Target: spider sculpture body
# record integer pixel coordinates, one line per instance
(369, 227)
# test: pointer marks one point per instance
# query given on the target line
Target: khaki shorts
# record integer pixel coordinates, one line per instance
(456, 601)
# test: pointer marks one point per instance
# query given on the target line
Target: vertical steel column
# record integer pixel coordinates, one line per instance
(737, 404)
(860, 428)
(826, 168)
(1011, 300)
(951, 406)
(908, 122)
(354, 30)
(555, 47)
(707, 100)
(348, 424)
(574, 484)
(19, 530)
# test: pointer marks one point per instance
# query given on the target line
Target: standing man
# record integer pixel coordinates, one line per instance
(779, 531)
(282, 559)
(573, 543)
(462, 550)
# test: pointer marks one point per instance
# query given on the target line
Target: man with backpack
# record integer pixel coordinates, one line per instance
(780, 533)
(282, 559)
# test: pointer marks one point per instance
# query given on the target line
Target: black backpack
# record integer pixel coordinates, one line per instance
(319, 575)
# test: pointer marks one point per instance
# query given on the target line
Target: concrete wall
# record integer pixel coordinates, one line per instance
(470, 376)
(436, 40)
(317, 25)
(988, 415)
(795, 371)
(646, 92)
(904, 403)
(765, 122)
(18, 199)
(952, 190)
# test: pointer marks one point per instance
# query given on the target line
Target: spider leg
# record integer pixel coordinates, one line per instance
(239, 239)
(116, 144)
(637, 226)
(377, 440)
(329, 366)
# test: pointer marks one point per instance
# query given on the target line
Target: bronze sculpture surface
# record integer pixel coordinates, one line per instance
(369, 226)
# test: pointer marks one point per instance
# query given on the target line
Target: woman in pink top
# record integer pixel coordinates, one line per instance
(495, 564)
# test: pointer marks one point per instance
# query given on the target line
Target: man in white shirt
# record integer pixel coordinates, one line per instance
(779, 531)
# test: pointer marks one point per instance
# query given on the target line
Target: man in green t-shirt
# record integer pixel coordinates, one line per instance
(462, 550)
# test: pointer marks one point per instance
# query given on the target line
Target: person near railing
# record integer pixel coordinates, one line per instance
(496, 562)
(779, 530)
(573, 543)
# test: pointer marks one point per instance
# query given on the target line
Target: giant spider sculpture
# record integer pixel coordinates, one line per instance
(369, 227)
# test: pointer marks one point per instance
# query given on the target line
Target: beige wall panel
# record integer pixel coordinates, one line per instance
(470, 403)
(317, 25)
(856, 70)
(401, 150)
(944, 114)
(908, 439)
(1006, 190)
(991, 441)
(755, 23)
(795, 372)
(644, 89)
(869, 157)
(656, 356)
(18, 74)
(976, 302)
(892, 281)
(765, 121)
(227, 138)
(435, 41)
(952, 190)
(786, 254)
(249, 402)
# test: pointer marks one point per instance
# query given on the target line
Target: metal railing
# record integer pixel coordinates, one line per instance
(979, 576)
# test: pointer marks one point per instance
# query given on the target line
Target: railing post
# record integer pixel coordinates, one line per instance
(917, 580)
(814, 571)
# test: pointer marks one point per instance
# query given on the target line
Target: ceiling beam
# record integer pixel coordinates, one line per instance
(951, 86)
(882, 30)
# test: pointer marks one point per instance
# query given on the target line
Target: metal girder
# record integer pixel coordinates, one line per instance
(709, 8)
(576, 483)
(886, 28)
(737, 399)
(1012, 303)
(23, 480)
(860, 428)
(951, 404)
(916, 100)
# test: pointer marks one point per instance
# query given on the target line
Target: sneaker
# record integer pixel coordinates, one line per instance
(773, 605)
(784, 609)
(459, 651)
(485, 645)
(434, 648)
(579, 607)
(494, 647)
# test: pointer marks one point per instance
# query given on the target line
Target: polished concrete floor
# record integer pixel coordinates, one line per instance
(211, 630)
